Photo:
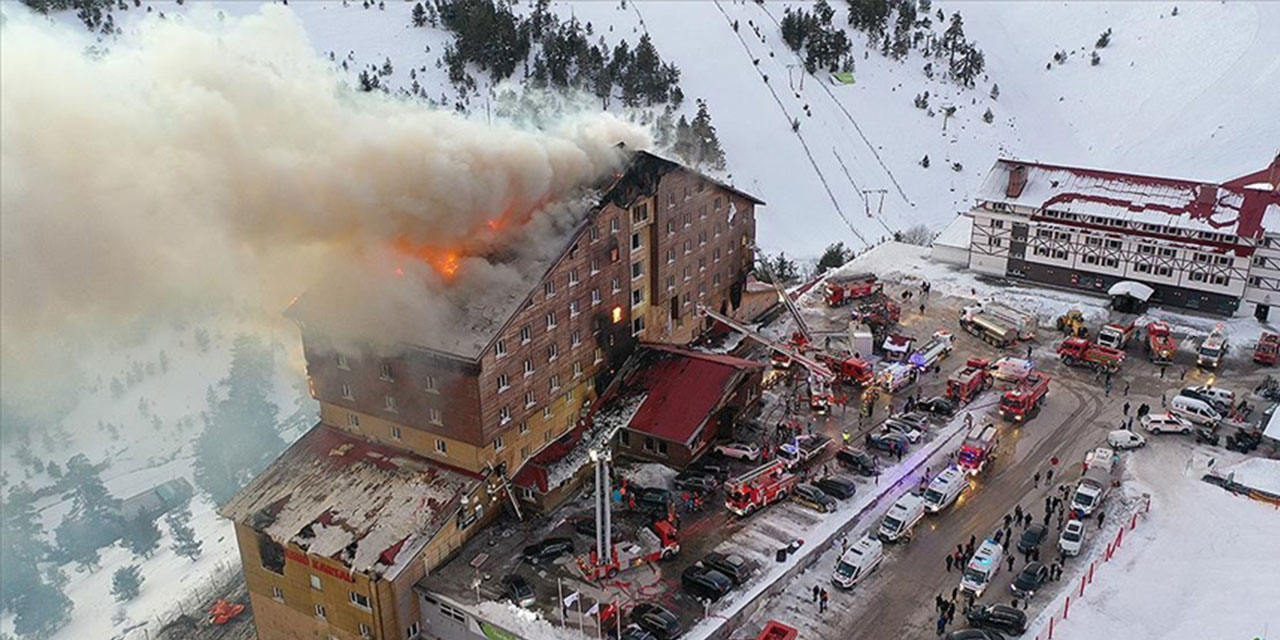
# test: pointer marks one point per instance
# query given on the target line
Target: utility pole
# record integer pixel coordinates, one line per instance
(791, 78)
(866, 201)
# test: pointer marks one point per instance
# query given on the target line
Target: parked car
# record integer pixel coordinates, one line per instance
(636, 632)
(657, 620)
(888, 441)
(730, 564)
(937, 405)
(858, 460)
(1207, 435)
(917, 418)
(748, 451)
(692, 481)
(837, 486)
(587, 527)
(517, 589)
(548, 549)
(1071, 538)
(719, 470)
(1124, 439)
(1032, 537)
(910, 431)
(1220, 399)
(813, 497)
(705, 583)
(1032, 576)
(998, 616)
(653, 499)
(974, 634)
(1164, 423)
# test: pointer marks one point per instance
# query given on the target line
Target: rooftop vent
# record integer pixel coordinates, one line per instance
(1017, 181)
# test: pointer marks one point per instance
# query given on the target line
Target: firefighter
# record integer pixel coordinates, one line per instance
(845, 436)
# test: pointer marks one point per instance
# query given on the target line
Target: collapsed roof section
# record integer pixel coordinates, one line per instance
(370, 507)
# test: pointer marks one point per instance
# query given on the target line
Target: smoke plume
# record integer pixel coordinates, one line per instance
(204, 159)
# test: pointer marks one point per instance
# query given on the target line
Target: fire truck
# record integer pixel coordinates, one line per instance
(990, 329)
(1025, 324)
(1117, 335)
(1160, 344)
(931, 352)
(1081, 352)
(878, 313)
(759, 488)
(848, 369)
(845, 289)
(1021, 402)
(1267, 349)
(968, 381)
(979, 447)
(659, 542)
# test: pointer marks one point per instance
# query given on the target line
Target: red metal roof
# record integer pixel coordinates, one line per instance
(682, 389)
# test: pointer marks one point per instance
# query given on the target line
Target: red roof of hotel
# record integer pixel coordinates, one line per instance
(683, 389)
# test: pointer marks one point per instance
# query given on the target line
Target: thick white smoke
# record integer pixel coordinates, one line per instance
(204, 159)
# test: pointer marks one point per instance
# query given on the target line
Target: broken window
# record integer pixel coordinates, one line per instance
(272, 554)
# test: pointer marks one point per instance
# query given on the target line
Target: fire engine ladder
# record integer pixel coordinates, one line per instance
(506, 486)
(815, 367)
(782, 294)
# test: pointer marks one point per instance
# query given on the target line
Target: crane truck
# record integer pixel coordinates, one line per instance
(842, 290)
(759, 488)
(659, 542)
(1160, 344)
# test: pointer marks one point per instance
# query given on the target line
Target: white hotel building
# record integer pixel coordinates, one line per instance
(1199, 245)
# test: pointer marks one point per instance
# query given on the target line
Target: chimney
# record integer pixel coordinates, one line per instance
(1017, 181)
(1273, 175)
(1207, 195)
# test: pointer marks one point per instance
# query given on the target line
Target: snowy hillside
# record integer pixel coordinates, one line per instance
(1183, 95)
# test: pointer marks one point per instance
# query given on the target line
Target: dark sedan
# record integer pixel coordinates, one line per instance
(974, 634)
(888, 441)
(548, 549)
(1032, 576)
(1032, 537)
(730, 564)
(858, 460)
(998, 616)
(703, 482)
(938, 406)
(705, 583)
(841, 487)
(657, 620)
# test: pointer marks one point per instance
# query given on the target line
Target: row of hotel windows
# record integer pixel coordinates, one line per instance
(358, 600)
(499, 443)
(1150, 228)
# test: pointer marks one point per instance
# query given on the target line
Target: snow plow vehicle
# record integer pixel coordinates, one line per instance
(968, 381)
(759, 488)
(1072, 324)
(842, 290)
(1160, 344)
(1022, 402)
(1083, 353)
(1267, 349)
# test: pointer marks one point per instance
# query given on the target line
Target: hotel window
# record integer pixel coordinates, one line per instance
(529, 400)
(315, 582)
(1060, 254)
(594, 233)
(702, 263)
(688, 247)
(442, 447)
(635, 241)
(499, 443)
(550, 288)
(1093, 242)
(617, 286)
(412, 631)
(1146, 248)
(358, 599)
(525, 334)
(718, 203)
(1168, 253)
(715, 280)
(430, 385)
(365, 631)
(1163, 271)
(671, 226)
(504, 383)
(995, 242)
(1090, 259)
(568, 396)
(702, 238)
(1221, 260)
(637, 297)
(614, 226)
(688, 218)
(577, 369)
(1221, 280)
(715, 255)
(717, 229)
(573, 308)
(1142, 267)
(637, 270)
(554, 383)
(395, 433)
(342, 362)
(528, 367)
(671, 256)
(595, 296)
(500, 348)
(384, 371)
(1196, 276)
(346, 392)
(320, 610)
(433, 414)
(702, 290)
(598, 355)
(504, 416)
(1110, 262)
(551, 320)
(637, 325)
(573, 277)
(353, 420)
(389, 403)
(524, 427)
(613, 255)
(671, 199)
(686, 273)
(277, 594)
(524, 452)
(546, 412)
(575, 338)
(553, 352)
(640, 213)
(1113, 244)
(595, 266)
(671, 283)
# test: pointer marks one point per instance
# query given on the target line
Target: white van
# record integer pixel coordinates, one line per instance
(1195, 411)
(859, 561)
(984, 565)
(1220, 399)
(902, 518)
(944, 489)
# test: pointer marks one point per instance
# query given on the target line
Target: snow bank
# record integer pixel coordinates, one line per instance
(1256, 473)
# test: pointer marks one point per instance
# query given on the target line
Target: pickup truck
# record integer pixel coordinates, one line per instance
(802, 449)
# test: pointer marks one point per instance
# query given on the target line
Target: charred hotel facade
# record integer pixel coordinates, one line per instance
(416, 452)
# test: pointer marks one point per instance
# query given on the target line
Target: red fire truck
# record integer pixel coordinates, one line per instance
(979, 445)
(968, 381)
(1117, 334)
(843, 290)
(775, 630)
(759, 488)
(1020, 402)
(1081, 352)
(797, 342)
(1160, 343)
(848, 369)
(1267, 349)
(661, 542)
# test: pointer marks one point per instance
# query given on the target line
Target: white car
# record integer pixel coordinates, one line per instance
(1164, 423)
(1123, 439)
(741, 450)
(1072, 538)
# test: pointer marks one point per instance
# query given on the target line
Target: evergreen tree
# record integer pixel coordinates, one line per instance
(22, 546)
(924, 162)
(41, 610)
(995, 91)
(794, 29)
(419, 15)
(685, 146)
(141, 536)
(834, 256)
(871, 16)
(707, 144)
(239, 436)
(126, 582)
(784, 269)
(1104, 39)
(969, 65)
(185, 543)
(988, 117)
(93, 521)
(953, 38)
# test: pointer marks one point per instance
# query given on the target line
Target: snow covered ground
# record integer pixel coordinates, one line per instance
(1198, 565)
